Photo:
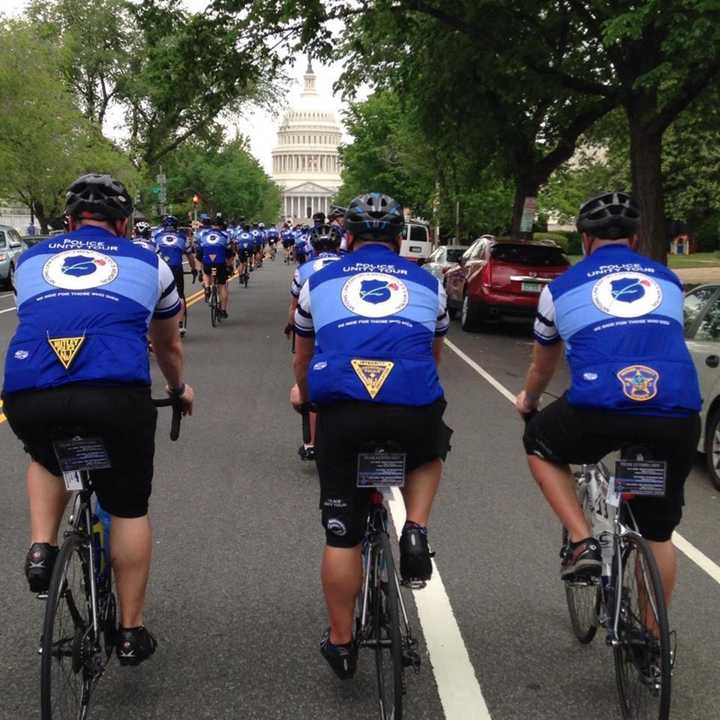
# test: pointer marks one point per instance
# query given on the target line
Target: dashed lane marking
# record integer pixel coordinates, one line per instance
(683, 545)
(457, 684)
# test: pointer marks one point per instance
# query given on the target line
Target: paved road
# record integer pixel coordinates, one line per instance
(235, 598)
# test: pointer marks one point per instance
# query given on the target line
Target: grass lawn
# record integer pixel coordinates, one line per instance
(697, 260)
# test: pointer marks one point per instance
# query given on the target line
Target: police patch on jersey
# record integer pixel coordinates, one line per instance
(627, 294)
(66, 348)
(169, 239)
(639, 382)
(374, 295)
(80, 270)
(212, 239)
(372, 374)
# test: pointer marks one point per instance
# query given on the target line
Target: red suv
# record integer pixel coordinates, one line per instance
(501, 278)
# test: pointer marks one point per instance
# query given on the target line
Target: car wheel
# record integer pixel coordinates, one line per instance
(11, 277)
(712, 448)
(469, 315)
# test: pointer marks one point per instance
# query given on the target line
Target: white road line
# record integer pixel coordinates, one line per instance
(685, 547)
(457, 683)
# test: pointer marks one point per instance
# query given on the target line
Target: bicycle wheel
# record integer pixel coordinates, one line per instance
(386, 630)
(214, 307)
(642, 657)
(583, 598)
(70, 663)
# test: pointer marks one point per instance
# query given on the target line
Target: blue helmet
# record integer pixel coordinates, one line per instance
(204, 219)
(375, 216)
(170, 221)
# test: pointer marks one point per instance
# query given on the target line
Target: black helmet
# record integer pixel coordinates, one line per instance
(609, 216)
(374, 216)
(98, 197)
(336, 211)
(325, 237)
(319, 218)
(170, 221)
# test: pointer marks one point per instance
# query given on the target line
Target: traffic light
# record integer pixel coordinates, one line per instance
(196, 199)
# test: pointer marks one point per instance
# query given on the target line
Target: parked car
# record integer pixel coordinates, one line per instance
(443, 259)
(31, 240)
(415, 244)
(11, 245)
(702, 334)
(499, 279)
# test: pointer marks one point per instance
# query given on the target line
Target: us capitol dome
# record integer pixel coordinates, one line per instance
(305, 160)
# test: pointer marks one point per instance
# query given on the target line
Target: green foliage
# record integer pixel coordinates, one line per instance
(227, 178)
(45, 142)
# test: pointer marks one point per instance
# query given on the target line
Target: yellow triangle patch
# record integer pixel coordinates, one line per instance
(372, 374)
(66, 348)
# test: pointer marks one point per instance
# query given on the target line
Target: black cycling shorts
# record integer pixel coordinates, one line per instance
(124, 417)
(222, 272)
(565, 435)
(345, 429)
(287, 244)
(243, 254)
(179, 276)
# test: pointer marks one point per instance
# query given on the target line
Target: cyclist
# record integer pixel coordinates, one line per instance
(369, 337)
(325, 241)
(257, 246)
(216, 252)
(300, 249)
(142, 236)
(288, 240)
(272, 237)
(173, 248)
(79, 357)
(245, 248)
(620, 317)
(337, 219)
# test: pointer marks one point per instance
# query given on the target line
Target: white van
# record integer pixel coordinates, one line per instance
(416, 244)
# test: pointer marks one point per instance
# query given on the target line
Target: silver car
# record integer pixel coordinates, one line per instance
(702, 334)
(11, 245)
(443, 258)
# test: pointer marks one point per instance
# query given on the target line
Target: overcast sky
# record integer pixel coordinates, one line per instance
(259, 126)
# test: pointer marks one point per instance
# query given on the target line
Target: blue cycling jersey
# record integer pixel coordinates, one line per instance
(303, 273)
(172, 247)
(245, 241)
(214, 247)
(621, 317)
(374, 316)
(85, 301)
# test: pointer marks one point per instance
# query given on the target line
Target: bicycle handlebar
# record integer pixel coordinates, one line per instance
(176, 405)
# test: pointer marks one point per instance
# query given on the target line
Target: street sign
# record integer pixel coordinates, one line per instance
(155, 189)
(528, 216)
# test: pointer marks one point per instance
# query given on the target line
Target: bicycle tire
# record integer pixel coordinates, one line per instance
(213, 307)
(583, 599)
(66, 659)
(643, 694)
(386, 628)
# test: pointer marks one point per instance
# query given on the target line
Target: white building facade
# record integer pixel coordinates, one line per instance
(305, 161)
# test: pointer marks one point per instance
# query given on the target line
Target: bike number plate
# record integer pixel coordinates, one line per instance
(76, 454)
(641, 477)
(381, 470)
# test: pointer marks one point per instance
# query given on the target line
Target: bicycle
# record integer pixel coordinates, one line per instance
(627, 600)
(80, 620)
(214, 300)
(381, 621)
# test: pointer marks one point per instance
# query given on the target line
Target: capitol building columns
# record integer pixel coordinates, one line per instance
(306, 163)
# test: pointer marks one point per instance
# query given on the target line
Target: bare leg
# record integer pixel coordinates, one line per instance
(313, 424)
(419, 491)
(131, 550)
(223, 291)
(48, 497)
(558, 487)
(666, 559)
(341, 574)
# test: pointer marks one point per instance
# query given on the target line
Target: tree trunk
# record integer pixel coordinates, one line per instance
(39, 211)
(645, 165)
(525, 186)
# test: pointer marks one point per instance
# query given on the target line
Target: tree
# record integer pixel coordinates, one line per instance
(227, 177)
(45, 142)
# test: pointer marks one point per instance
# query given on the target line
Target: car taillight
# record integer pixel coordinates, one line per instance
(3, 257)
(486, 275)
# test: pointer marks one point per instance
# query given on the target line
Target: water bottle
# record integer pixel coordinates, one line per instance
(101, 541)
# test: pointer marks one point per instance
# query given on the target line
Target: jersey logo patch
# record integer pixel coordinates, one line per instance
(66, 348)
(374, 295)
(372, 374)
(627, 294)
(79, 270)
(639, 382)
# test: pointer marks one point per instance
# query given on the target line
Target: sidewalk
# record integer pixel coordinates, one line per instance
(698, 276)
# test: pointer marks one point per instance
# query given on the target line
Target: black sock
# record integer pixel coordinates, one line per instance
(410, 525)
